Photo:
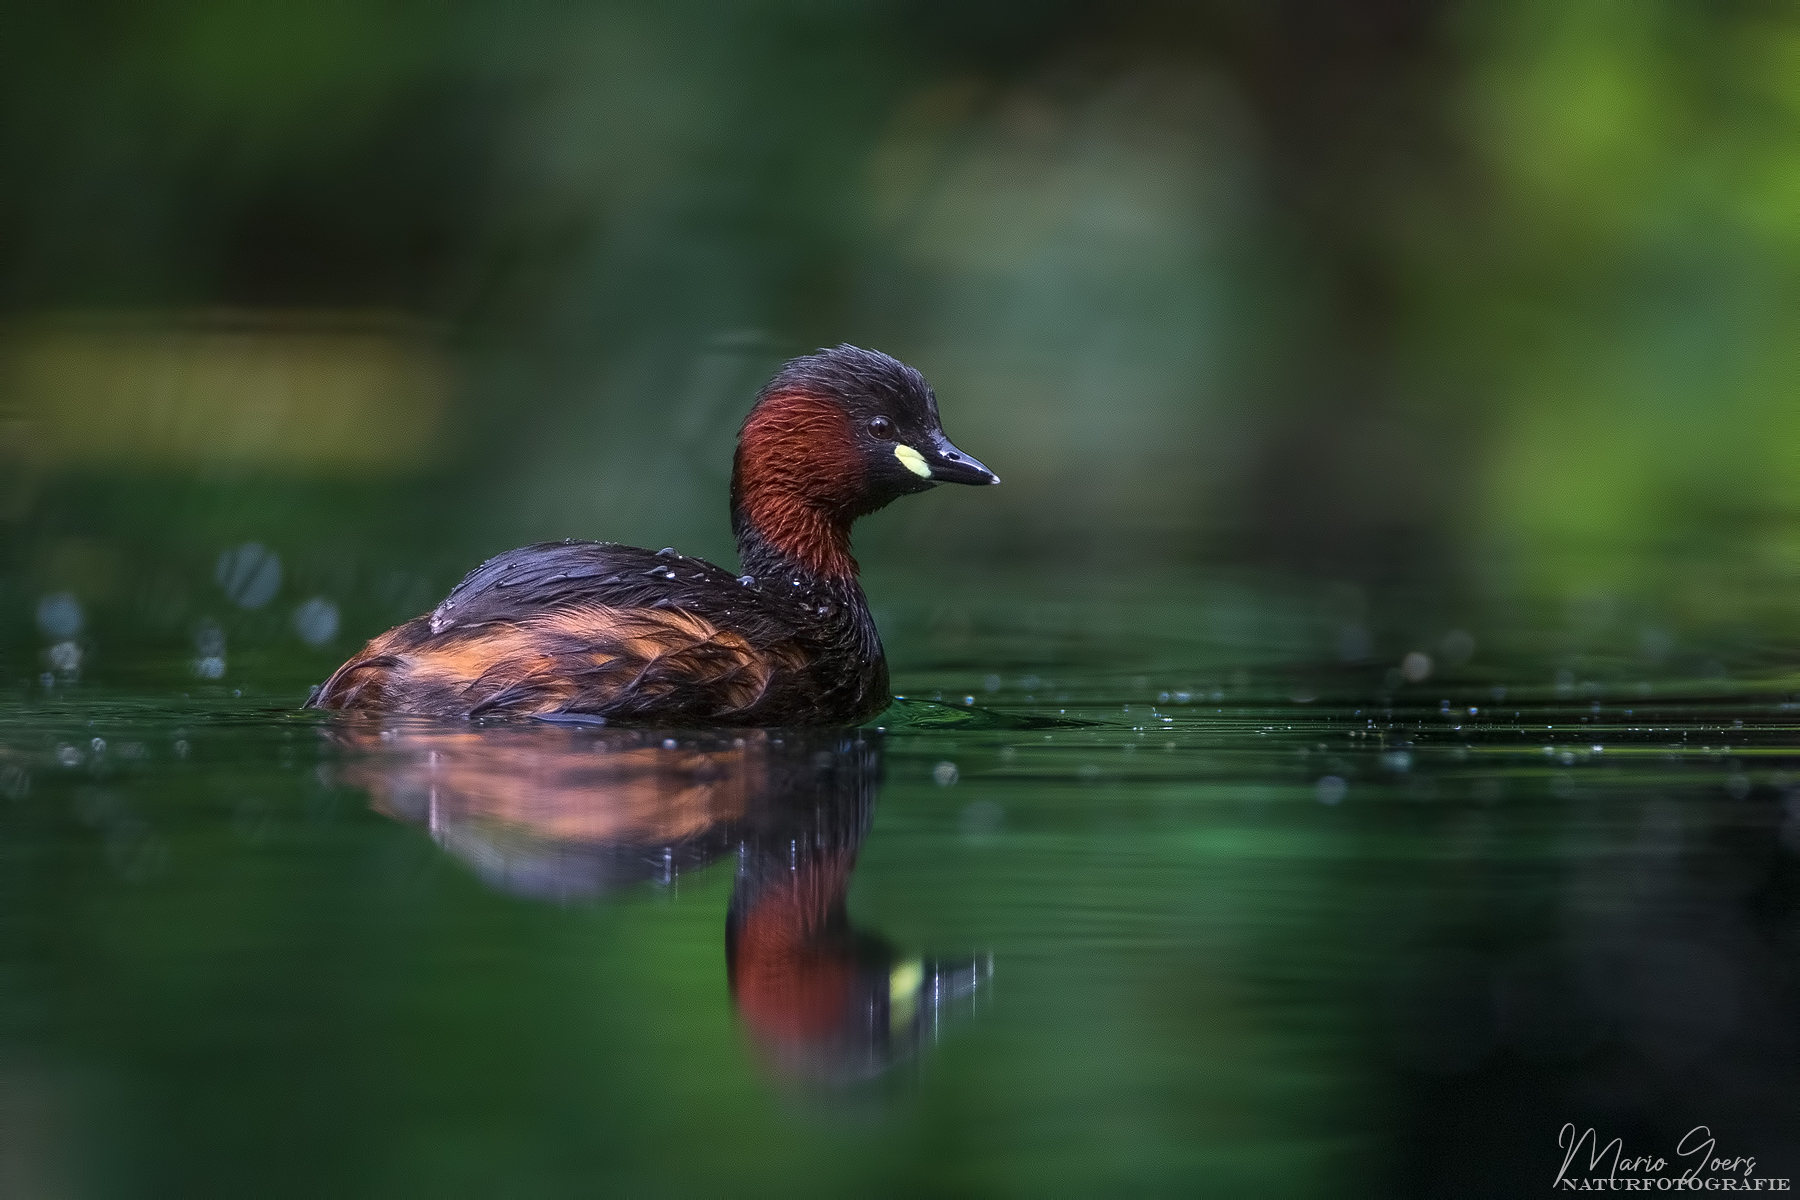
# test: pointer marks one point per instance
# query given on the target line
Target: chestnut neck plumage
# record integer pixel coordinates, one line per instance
(796, 489)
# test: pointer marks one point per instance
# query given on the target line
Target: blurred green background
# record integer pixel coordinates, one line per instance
(1337, 289)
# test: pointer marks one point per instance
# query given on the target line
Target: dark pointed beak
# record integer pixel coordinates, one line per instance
(950, 465)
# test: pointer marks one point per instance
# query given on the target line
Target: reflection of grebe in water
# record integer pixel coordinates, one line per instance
(567, 814)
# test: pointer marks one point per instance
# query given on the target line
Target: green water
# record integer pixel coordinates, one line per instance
(1180, 889)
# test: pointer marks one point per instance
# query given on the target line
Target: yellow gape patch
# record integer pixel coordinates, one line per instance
(912, 460)
(903, 992)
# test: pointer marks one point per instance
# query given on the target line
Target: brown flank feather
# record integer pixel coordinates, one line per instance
(586, 658)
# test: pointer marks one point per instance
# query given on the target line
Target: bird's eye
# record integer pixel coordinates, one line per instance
(882, 428)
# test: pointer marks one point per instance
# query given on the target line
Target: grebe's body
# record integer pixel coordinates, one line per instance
(600, 631)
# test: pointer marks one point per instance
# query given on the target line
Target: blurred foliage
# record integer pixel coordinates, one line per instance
(1348, 288)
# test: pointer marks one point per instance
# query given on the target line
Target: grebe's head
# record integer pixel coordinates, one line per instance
(834, 436)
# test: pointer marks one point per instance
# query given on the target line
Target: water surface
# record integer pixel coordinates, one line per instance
(1200, 889)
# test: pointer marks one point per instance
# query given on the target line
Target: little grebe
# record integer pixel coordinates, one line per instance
(600, 631)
